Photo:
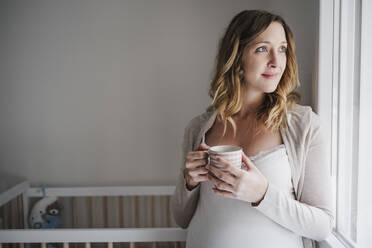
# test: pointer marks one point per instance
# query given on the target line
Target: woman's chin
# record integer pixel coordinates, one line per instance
(270, 89)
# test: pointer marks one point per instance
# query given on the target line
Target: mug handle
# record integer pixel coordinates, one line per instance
(243, 165)
(209, 158)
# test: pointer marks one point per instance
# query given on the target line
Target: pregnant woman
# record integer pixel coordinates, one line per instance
(282, 196)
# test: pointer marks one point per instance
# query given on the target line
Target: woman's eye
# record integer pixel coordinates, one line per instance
(261, 49)
(283, 49)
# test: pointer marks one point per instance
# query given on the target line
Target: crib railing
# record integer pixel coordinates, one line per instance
(133, 195)
(95, 235)
(22, 194)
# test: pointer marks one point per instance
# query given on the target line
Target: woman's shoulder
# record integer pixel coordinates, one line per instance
(303, 117)
(304, 126)
(197, 123)
(199, 120)
(297, 109)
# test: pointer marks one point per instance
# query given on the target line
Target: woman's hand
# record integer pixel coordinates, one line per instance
(246, 184)
(195, 171)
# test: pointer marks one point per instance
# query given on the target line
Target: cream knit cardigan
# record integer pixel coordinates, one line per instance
(310, 215)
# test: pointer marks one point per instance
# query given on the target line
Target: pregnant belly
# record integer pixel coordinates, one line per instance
(225, 222)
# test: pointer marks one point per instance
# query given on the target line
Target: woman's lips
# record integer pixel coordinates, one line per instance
(267, 75)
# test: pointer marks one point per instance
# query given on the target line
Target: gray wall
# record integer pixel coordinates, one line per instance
(99, 92)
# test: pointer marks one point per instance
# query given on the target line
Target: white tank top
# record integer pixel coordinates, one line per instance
(225, 222)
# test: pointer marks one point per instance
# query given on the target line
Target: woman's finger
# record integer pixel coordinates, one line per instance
(196, 155)
(198, 171)
(220, 184)
(227, 166)
(201, 178)
(248, 163)
(196, 163)
(222, 175)
(202, 147)
(224, 193)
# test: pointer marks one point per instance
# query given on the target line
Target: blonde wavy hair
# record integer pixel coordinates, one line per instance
(228, 80)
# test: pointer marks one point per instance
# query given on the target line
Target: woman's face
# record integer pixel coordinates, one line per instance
(264, 59)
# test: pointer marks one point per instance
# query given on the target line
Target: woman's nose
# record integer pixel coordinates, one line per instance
(273, 59)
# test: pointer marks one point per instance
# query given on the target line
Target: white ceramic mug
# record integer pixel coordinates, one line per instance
(233, 154)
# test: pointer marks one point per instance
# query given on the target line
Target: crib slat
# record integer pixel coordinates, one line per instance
(121, 216)
(12, 214)
(167, 211)
(73, 212)
(136, 211)
(20, 212)
(152, 215)
(137, 198)
(89, 211)
(105, 212)
(5, 215)
(65, 245)
(25, 202)
(121, 211)
(135, 203)
(152, 211)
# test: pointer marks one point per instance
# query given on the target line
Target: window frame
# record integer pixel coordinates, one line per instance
(343, 57)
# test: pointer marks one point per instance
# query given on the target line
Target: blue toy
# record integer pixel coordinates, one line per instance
(46, 213)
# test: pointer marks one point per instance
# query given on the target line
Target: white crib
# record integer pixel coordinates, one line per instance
(15, 206)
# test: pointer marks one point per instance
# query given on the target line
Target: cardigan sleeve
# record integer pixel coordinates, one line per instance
(311, 215)
(183, 202)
